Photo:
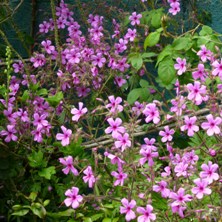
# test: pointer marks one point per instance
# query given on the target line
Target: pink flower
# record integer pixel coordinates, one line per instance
(147, 214)
(149, 144)
(212, 125)
(167, 172)
(73, 199)
(68, 162)
(175, 8)
(9, 133)
(197, 92)
(180, 66)
(178, 209)
(47, 46)
(114, 105)
(204, 53)
(40, 121)
(78, 112)
(115, 127)
(161, 187)
(152, 113)
(120, 177)
(127, 209)
(200, 73)
(38, 61)
(190, 125)
(89, 177)
(180, 198)
(131, 34)
(178, 105)
(167, 134)
(217, 68)
(98, 60)
(135, 19)
(148, 155)
(208, 172)
(122, 141)
(201, 188)
(65, 137)
(114, 159)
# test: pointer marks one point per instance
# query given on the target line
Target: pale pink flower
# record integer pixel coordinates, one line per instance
(148, 155)
(204, 53)
(167, 172)
(212, 125)
(217, 68)
(89, 177)
(73, 198)
(180, 66)
(190, 125)
(114, 105)
(147, 214)
(78, 112)
(162, 187)
(167, 134)
(127, 209)
(201, 188)
(135, 18)
(152, 113)
(68, 163)
(114, 159)
(115, 127)
(122, 141)
(47, 46)
(120, 177)
(178, 209)
(65, 137)
(209, 172)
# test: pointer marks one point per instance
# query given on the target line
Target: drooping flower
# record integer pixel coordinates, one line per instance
(73, 198)
(68, 163)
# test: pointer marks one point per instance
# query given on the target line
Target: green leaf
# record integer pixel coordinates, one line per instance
(152, 39)
(46, 203)
(55, 99)
(206, 30)
(87, 219)
(110, 219)
(144, 83)
(66, 213)
(167, 51)
(22, 212)
(32, 196)
(42, 92)
(36, 159)
(182, 43)
(25, 96)
(156, 18)
(133, 95)
(38, 210)
(136, 60)
(47, 172)
(95, 217)
(166, 71)
(148, 55)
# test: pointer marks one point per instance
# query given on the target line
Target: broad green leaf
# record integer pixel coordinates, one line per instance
(152, 39)
(182, 43)
(87, 219)
(95, 217)
(133, 95)
(110, 219)
(55, 99)
(156, 18)
(167, 51)
(46, 203)
(32, 196)
(144, 83)
(166, 71)
(47, 172)
(206, 30)
(42, 92)
(38, 210)
(136, 60)
(148, 55)
(22, 212)
(25, 96)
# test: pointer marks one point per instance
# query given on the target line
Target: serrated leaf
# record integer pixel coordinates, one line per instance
(47, 172)
(152, 39)
(36, 159)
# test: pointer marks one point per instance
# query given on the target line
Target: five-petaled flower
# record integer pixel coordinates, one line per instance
(65, 137)
(89, 176)
(127, 209)
(68, 163)
(78, 112)
(180, 66)
(73, 198)
(147, 214)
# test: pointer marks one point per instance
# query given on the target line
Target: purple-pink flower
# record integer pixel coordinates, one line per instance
(162, 187)
(212, 126)
(201, 188)
(180, 66)
(68, 163)
(204, 53)
(78, 112)
(89, 176)
(135, 18)
(147, 214)
(122, 141)
(190, 125)
(180, 198)
(73, 198)
(120, 177)
(65, 136)
(115, 127)
(209, 172)
(9, 133)
(127, 209)
(152, 113)
(166, 134)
